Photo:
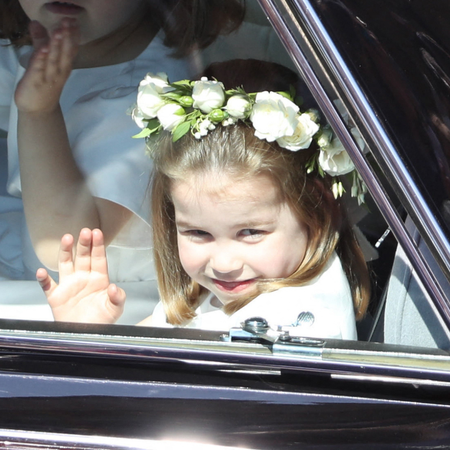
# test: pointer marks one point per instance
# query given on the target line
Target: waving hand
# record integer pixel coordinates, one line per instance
(84, 293)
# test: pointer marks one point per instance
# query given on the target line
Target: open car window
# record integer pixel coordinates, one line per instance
(403, 232)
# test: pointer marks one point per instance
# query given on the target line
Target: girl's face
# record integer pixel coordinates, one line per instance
(233, 232)
(96, 18)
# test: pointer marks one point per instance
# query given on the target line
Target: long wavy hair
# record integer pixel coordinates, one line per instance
(188, 24)
(236, 151)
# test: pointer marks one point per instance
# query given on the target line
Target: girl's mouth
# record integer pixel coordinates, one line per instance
(233, 287)
(63, 8)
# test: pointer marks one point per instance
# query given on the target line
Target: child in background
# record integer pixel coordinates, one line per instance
(244, 220)
(66, 134)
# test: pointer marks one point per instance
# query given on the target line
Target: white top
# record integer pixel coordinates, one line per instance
(327, 297)
(94, 103)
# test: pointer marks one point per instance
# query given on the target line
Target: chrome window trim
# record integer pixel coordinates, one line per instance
(354, 96)
(352, 358)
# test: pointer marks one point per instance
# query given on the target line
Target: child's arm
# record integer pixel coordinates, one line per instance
(56, 198)
(84, 293)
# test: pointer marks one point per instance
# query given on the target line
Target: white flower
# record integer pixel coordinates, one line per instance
(358, 138)
(204, 126)
(273, 116)
(149, 98)
(325, 137)
(228, 122)
(171, 115)
(208, 95)
(334, 159)
(238, 106)
(303, 134)
(137, 116)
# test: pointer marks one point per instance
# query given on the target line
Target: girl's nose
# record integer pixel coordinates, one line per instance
(225, 262)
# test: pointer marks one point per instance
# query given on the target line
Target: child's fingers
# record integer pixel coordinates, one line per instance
(68, 52)
(98, 253)
(116, 295)
(65, 257)
(63, 48)
(38, 63)
(73, 29)
(46, 282)
(39, 34)
(52, 70)
(84, 247)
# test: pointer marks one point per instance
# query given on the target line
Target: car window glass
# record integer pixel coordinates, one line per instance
(22, 298)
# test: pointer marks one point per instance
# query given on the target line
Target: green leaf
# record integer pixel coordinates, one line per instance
(180, 131)
(285, 94)
(181, 83)
(292, 91)
(174, 95)
(143, 134)
(153, 125)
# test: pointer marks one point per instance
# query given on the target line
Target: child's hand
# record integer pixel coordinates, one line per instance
(49, 68)
(84, 293)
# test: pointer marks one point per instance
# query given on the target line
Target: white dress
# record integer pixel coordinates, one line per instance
(327, 298)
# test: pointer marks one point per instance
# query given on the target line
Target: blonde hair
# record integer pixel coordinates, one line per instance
(236, 151)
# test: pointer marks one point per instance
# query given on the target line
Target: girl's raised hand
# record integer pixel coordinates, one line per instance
(49, 67)
(84, 293)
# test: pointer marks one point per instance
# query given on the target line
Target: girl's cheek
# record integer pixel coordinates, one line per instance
(188, 255)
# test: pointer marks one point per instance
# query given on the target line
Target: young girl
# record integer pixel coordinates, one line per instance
(78, 164)
(244, 220)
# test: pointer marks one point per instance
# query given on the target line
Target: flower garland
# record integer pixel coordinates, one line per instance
(199, 106)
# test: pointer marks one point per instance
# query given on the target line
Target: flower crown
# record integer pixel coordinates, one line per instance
(199, 106)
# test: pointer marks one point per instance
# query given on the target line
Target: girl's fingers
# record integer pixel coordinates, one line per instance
(116, 295)
(84, 247)
(38, 64)
(39, 34)
(98, 253)
(65, 257)
(46, 282)
(53, 69)
(63, 48)
(74, 37)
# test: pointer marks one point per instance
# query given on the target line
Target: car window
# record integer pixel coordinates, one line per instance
(351, 83)
(402, 311)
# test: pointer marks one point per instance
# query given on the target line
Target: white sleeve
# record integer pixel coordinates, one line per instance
(116, 166)
(8, 69)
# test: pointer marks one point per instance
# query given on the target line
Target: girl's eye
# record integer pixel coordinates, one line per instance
(200, 234)
(251, 232)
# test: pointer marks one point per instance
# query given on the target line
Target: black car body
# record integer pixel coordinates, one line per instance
(84, 386)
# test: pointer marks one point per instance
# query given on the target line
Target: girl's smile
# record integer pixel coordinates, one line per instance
(234, 231)
(234, 287)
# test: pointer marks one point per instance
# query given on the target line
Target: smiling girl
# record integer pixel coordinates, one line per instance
(244, 219)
